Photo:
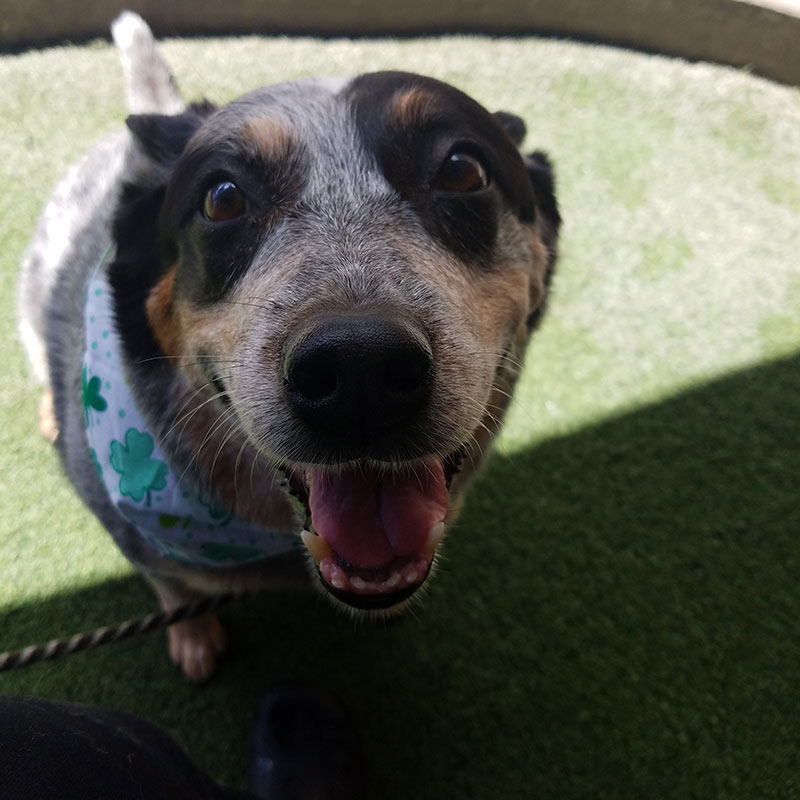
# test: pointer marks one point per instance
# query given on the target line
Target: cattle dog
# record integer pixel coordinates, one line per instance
(296, 319)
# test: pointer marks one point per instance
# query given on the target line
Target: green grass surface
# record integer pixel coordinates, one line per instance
(617, 612)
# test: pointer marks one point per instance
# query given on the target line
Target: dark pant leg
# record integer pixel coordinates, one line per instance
(61, 750)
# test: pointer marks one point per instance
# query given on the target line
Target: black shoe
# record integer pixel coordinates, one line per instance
(304, 747)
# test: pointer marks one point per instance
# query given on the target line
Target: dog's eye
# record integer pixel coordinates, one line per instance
(224, 201)
(461, 172)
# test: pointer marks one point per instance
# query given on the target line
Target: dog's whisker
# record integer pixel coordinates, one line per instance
(429, 471)
(482, 425)
(505, 357)
(522, 407)
(253, 464)
(477, 445)
(178, 414)
(195, 459)
(190, 359)
(222, 418)
(502, 355)
(189, 415)
(525, 409)
(495, 420)
(261, 305)
(502, 392)
(233, 430)
(236, 466)
(511, 361)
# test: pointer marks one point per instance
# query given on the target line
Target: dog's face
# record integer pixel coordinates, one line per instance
(349, 273)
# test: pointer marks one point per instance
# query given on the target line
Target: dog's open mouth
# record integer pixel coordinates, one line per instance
(373, 531)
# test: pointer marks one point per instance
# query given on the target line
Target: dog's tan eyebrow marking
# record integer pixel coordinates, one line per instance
(268, 137)
(413, 106)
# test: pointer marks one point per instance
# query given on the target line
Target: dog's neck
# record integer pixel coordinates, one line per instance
(172, 515)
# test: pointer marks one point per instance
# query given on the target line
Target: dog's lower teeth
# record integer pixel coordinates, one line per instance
(339, 579)
(408, 575)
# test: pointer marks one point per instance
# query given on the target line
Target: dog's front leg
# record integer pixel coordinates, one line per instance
(194, 644)
(48, 424)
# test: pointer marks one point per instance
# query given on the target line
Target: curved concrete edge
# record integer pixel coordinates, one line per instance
(761, 35)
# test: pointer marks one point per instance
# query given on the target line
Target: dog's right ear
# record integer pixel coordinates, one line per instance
(163, 137)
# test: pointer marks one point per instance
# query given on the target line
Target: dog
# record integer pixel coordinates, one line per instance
(296, 319)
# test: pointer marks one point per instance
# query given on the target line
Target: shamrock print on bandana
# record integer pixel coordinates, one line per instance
(140, 474)
(90, 394)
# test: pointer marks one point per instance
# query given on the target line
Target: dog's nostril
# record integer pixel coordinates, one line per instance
(405, 374)
(313, 378)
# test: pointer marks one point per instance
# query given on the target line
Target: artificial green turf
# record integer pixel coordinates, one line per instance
(617, 612)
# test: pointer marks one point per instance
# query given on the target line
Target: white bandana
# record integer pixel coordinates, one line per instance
(174, 519)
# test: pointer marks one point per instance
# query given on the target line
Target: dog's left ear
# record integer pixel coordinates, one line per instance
(540, 172)
(513, 125)
(538, 167)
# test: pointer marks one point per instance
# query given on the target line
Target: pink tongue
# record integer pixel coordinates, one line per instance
(369, 518)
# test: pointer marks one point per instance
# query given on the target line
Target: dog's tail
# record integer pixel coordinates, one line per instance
(149, 85)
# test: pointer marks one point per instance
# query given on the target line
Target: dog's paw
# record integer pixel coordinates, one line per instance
(195, 644)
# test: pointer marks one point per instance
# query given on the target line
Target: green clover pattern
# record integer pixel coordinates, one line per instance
(140, 474)
(90, 395)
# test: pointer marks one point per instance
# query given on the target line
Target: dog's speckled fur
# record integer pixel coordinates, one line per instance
(348, 218)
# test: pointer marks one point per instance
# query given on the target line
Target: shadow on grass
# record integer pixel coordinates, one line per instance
(616, 617)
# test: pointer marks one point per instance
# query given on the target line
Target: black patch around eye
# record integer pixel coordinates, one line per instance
(467, 223)
(410, 148)
(214, 256)
(224, 201)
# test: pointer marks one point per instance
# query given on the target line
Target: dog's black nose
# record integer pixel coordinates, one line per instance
(358, 376)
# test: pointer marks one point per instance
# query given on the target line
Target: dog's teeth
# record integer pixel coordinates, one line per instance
(435, 536)
(393, 580)
(359, 584)
(339, 579)
(316, 545)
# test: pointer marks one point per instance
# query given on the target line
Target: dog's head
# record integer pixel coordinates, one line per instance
(348, 273)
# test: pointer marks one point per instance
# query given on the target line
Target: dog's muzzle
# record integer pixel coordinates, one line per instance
(361, 383)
